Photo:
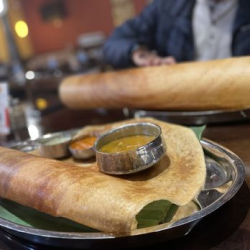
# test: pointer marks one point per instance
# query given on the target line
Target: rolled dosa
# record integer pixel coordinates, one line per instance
(100, 201)
(212, 85)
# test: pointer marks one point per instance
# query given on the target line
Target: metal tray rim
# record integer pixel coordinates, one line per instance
(238, 181)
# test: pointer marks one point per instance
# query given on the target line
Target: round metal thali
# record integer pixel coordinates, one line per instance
(225, 175)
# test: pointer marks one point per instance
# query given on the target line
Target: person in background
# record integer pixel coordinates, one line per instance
(168, 31)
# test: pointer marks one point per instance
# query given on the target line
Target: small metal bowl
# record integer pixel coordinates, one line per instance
(133, 160)
(56, 146)
(82, 154)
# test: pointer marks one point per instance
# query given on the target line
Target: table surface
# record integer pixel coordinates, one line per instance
(229, 226)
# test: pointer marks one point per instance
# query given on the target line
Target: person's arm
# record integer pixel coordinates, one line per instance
(138, 31)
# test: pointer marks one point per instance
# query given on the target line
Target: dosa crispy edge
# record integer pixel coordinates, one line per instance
(100, 201)
(210, 85)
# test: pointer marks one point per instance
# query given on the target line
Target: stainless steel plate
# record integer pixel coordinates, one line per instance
(225, 175)
(192, 117)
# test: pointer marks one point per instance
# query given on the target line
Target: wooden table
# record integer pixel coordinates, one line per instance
(235, 137)
(226, 228)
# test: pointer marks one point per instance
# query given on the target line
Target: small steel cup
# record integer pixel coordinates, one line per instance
(82, 154)
(55, 150)
(134, 160)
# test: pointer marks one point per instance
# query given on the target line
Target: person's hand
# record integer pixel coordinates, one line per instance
(143, 58)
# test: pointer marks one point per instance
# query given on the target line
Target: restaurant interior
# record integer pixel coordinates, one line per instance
(42, 42)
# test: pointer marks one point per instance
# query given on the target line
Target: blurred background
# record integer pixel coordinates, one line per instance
(42, 41)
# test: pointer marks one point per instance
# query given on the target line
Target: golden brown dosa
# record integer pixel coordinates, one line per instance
(210, 85)
(100, 201)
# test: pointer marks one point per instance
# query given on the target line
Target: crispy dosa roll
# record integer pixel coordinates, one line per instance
(211, 85)
(100, 201)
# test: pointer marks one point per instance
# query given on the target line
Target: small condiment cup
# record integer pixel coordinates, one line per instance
(82, 154)
(134, 160)
(55, 146)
